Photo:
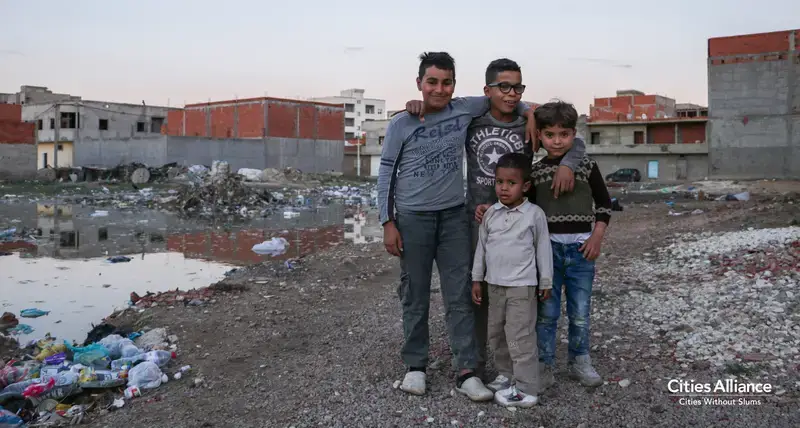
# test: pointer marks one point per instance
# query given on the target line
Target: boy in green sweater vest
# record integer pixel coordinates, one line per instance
(577, 222)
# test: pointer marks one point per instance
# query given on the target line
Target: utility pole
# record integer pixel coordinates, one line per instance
(358, 157)
(56, 137)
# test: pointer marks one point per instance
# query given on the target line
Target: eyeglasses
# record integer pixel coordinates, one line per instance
(506, 87)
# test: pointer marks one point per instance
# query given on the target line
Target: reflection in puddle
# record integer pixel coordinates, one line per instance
(62, 265)
(81, 292)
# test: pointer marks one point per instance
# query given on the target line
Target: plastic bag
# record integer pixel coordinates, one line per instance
(118, 346)
(94, 355)
(38, 389)
(275, 246)
(17, 371)
(145, 375)
(8, 419)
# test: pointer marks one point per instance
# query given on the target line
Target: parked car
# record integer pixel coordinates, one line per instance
(625, 175)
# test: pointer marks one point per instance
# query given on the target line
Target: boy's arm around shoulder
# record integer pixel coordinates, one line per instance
(478, 106)
(544, 250)
(602, 199)
(479, 262)
(575, 155)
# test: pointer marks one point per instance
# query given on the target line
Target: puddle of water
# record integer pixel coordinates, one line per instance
(80, 292)
(63, 269)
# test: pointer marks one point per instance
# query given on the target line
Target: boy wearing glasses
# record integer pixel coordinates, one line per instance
(501, 130)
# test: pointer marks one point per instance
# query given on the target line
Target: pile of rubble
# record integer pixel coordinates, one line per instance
(726, 300)
(221, 194)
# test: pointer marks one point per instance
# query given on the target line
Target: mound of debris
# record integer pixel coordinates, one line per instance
(726, 299)
(221, 193)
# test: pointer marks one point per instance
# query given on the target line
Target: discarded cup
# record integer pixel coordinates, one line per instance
(132, 392)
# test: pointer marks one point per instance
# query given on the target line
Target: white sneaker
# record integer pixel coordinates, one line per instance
(581, 369)
(474, 389)
(511, 397)
(414, 383)
(500, 382)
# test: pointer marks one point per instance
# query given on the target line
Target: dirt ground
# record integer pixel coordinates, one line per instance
(318, 345)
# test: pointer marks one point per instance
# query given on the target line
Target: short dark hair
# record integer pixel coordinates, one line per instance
(518, 161)
(556, 113)
(440, 60)
(498, 66)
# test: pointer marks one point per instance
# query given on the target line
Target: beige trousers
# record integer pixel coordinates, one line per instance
(512, 335)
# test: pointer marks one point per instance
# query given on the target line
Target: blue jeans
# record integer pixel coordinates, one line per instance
(442, 236)
(574, 274)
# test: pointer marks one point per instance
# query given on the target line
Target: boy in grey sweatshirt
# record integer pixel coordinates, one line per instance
(421, 202)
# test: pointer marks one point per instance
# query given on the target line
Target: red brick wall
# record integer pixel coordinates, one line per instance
(222, 121)
(10, 112)
(750, 44)
(661, 134)
(752, 47)
(281, 120)
(174, 122)
(17, 133)
(251, 120)
(692, 131)
(196, 123)
(307, 114)
(330, 124)
(282, 117)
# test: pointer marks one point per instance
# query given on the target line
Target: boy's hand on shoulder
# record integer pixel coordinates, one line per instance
(416, 108)
(563, 182)
(591, 248)
(476, 293)
(531, 134)
(480, 211)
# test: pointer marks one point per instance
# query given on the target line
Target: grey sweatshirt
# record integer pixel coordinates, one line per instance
(422, 162)
(487, 140)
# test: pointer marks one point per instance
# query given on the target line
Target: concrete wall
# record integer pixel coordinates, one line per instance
(754, 105)
(151, 151)
(695, 166)
(614, 134)
(305, 155)
(675, 161)
(17, 161)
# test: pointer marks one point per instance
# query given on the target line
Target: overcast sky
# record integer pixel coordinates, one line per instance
(181, 51)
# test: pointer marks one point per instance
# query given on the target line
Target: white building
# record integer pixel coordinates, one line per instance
(88, 120)
(357, 110)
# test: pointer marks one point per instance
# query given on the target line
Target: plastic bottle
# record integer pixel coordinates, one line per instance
(161, 358)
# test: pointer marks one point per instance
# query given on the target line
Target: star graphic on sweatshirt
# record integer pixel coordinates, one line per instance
(494, 156)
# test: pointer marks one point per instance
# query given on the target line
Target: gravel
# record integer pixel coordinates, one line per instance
(319, 345)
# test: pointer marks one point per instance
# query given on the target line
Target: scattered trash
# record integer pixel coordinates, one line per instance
(250, 174)
(273, 247)
(625, 383)
(20, 330)
(99, 214)
(33, 313)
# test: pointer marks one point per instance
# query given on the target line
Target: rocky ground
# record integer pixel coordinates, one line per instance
(318, 345)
